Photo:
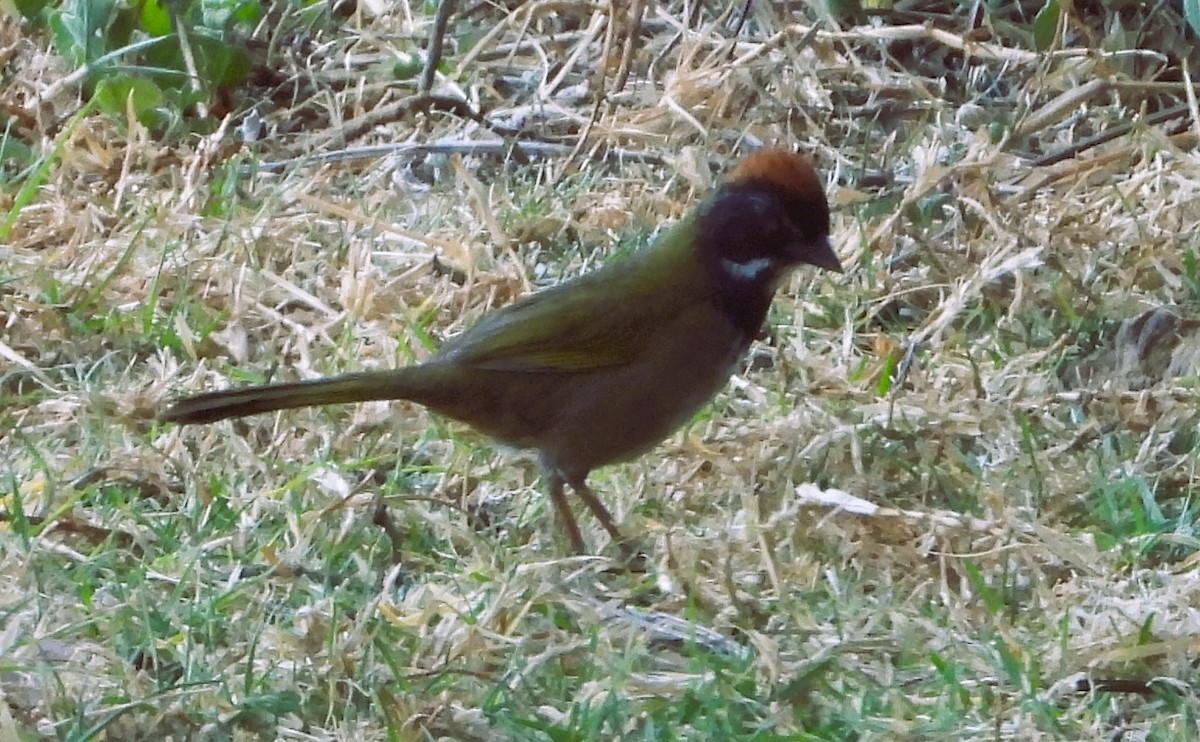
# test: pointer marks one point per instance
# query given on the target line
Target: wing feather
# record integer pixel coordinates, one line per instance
(585, 324)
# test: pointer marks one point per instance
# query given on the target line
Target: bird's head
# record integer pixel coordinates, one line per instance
(767, 217)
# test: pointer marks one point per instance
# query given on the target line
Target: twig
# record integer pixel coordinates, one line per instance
(437, 37)
(451, 146)
(1109, 134)
(1057, 109)
(632, 35)
(355, 128)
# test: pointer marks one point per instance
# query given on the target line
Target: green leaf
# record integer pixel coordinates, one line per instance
(1045, 25)
(30, 9)
(70, 38)
(15, 154)
(248, 13)
(406, 66)
(885, 378)
(79, 29)
(991, 599)
(142, 95)
(1191, 11)
(216, 13)
(155, 19)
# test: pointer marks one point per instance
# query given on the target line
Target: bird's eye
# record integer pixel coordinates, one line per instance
(767, 214)
(764, 207)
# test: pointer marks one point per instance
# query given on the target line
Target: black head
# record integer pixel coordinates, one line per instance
(768, 217)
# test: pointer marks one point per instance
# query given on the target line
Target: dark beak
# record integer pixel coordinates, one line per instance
(820, 253)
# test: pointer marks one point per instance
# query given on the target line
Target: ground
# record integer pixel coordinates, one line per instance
(950, 495)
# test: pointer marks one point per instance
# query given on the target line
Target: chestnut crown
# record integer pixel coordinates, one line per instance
(768, 216)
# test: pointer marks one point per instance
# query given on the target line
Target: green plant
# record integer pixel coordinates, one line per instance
(155, 60)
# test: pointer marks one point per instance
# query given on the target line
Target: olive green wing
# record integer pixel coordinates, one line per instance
(580, 326)
(603, 319)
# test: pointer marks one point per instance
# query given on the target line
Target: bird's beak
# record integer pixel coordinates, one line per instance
(820, 253)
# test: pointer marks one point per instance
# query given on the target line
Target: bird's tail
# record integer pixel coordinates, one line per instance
(401, 383)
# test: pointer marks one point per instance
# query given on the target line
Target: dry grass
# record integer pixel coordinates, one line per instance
(1008, 367)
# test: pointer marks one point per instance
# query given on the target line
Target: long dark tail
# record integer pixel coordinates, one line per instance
(362, 387)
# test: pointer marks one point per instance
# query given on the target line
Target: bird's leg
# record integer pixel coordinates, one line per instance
(563, 508)
(593, 503)
(632, 555)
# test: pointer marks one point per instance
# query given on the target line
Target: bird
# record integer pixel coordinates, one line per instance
(602, 367)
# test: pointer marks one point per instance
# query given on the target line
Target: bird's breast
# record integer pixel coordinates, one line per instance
(617, 413)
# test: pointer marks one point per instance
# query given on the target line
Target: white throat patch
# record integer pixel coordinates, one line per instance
(751, 270)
